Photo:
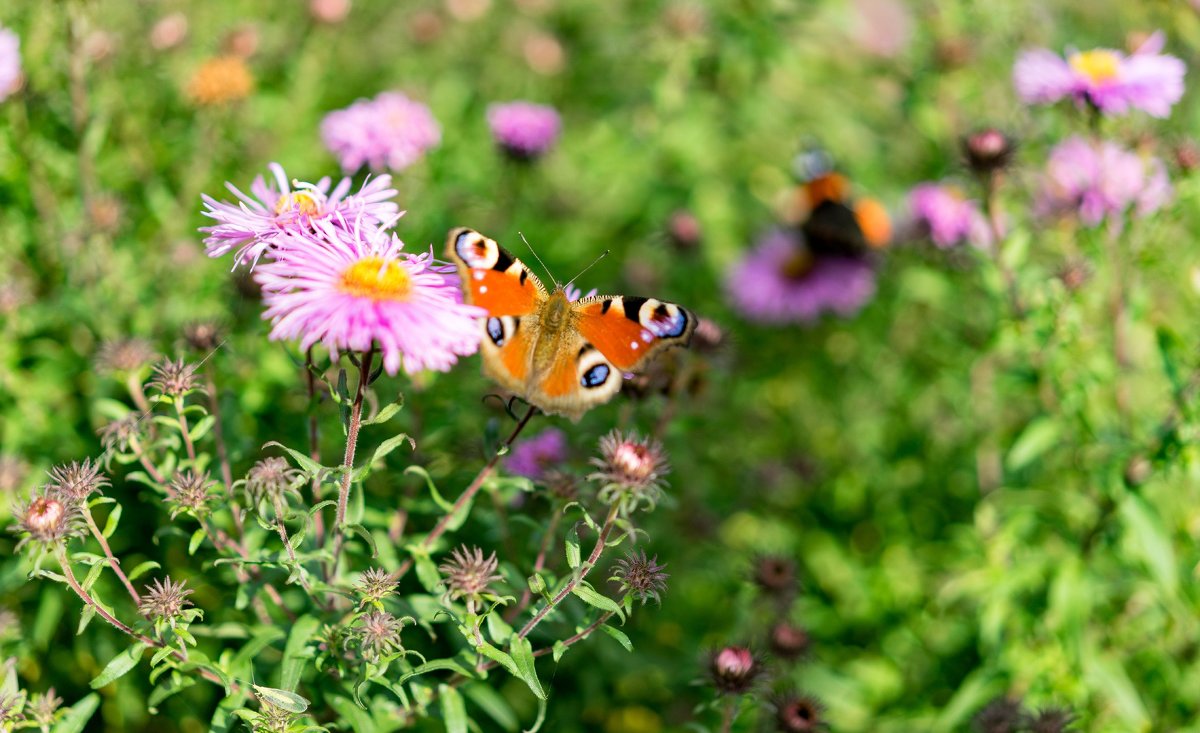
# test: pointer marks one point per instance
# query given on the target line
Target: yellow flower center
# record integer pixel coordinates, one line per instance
(302, 201)
(1099, 65)
(376, 279)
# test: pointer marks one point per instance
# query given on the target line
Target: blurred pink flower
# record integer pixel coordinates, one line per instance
(1108, 80)
(783, 281)
(1102, 181)
(532, 457)
(882, 27)
(350, 287)
(948, 217)
(10, 63)
(389, 131)
(522, 129)
(329, 11)
(170, 31)
(253, 223)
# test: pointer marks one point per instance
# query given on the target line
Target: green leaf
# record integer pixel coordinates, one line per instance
(493, 704)
(618, 635)
(176, 684)
(110, 525)
(437, 496)
(558, 650)
(308, 465)
(284, 699)
(381, 452)
(85, 618)
(201, 428)
(1150, 541)
(1037, 437)
(574, 558)
(361, 531)
(387, 413)
(78, 715)
(120, 665)
(454, 712)
(498, 628)
(503, 659)
(295, 653)
(434, 666)
(353, 716)
(197, 538)
(591, 597)
(143, 568)
(427, 572)
(522, 654)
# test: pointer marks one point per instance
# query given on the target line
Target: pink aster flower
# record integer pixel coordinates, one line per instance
(350, 287)
(782, 281)
(522, 129)
(389, 131)
(1108, 80)
(254, 223)
(948, 217)
(1102, 181)
(531, 458)
(10, 63)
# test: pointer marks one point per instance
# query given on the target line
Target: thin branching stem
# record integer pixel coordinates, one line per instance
(364, 375)
(112, 560)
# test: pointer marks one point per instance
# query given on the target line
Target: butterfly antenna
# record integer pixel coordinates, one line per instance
(603, 254)
(539, 259)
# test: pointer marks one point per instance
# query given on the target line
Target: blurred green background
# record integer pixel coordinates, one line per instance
(941, 566)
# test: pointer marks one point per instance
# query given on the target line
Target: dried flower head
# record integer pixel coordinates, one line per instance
(42, 708)
(270, 478)
(1051, 720)
(190, 492)
(165, 600)
(776, 575)
(798, 713)
(1001, 715)
(468, 574)
(631, 469)
(375, 584)
(120, 434)
(203, 336)
(124, 355)
(13, 472)
(174, 378)
(220, 80)
(378, 634)
(76, 481)
(46, 520)
(788, 641)
(734, 670)
(640, 576)
(988, 150)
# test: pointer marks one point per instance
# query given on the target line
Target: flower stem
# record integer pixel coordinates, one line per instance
(730, 714)
(314, 443)
(584, 569)
(466, 496)
(112, 561)
(214, 408)
(352, 429)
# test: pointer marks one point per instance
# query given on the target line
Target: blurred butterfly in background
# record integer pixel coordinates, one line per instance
(561, 356)
(834, 222)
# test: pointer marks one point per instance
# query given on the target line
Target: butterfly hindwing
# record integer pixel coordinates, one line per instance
(492, 278)
(628, 330)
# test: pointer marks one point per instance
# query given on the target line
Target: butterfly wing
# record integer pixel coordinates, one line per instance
(628, 331)
(512, 295)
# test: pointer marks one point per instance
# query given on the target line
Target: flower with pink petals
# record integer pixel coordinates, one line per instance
(1107, 80)
(10, 63)
(351, 288)
(949, 218)
(533, 457)
(1102, 181)
(783, 281)
(389, 131)
(252, 225)
(524, 130)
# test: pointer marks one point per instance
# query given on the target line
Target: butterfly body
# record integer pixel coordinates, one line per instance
(562, 356)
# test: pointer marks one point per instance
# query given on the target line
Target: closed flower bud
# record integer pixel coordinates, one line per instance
(270, 479)
(190, 492)
(988, 151)
(788, 641)
(46, 520)
(469, 574)
(1001, 715)
(203, 336)
(631, 469)
(776, 576)
(684, 229)
(165, 600)
(375, 584)
(641, 577)
(378, 634)
(124, 355)
(174, 378)
(76, 481)
(734, 670)
(42, 708)
(119, 435)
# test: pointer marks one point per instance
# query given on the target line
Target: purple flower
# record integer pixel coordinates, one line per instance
(1108, 80)
(350, 287)
(389, 131)
(782, 281)
(254, 223)
(948, 217)
(533, 457)
(522, 129)
(10, 63)
(1102, 181)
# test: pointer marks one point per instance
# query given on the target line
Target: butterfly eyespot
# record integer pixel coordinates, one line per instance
(495, 331)
(595, 376)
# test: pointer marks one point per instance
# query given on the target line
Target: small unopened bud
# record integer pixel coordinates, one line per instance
(1001, 715)
(165, 600)
(378, 634)
(537, 584)
(1187, 155)
(631, 469)
(375, 584)
(776, 575)
(174, 378)
(798, 713)
(42, 707)
(77, 481)
(684, 229)
(734, 670)
(469, 574)
(641, 576)
(988, 150)
(788, 641)
(169, 32)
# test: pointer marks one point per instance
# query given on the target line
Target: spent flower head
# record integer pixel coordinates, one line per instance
(375, 584)
(47, 520)
(641, 576)
(77, 480)
(190, 492)
(378, 634)
(631, 469)
(174, 378)
(733, 670)
(469, 574)
(165, 600)
(270, 479)
(124, 355)
(43, 708)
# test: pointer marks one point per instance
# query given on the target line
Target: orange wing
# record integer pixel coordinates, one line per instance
(628, 330)
(491, 277)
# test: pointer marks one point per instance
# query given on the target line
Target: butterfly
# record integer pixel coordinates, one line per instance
(837, 223)
(564, 357)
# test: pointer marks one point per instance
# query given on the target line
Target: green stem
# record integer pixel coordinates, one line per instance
(352, 429)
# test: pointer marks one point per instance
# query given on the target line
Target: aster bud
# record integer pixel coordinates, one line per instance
(1001, 715)
(169, 32)
(329, 11)
(374, 585)
(988, 151)
(1187, 155)
(190, 492)
(118, 435)
(1051, 720)
(734, 670)
(45, 519)
(76, 481)
(788, 641)
(684, 229)
(631, 470)
(270, 479)
(798, 713)
(469, 574)
(174, 378)
(378, 634)
(42, 708)
(123, 355)
(203, 336)
(165, 600)
(641, 577)
(775, 575)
